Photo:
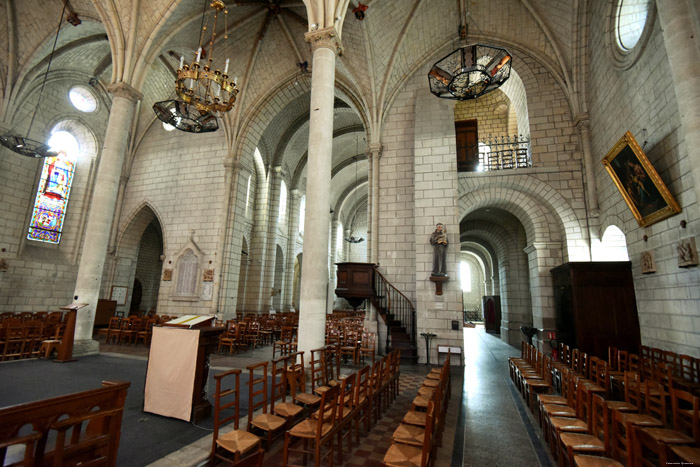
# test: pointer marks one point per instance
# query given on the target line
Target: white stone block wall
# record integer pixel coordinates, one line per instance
(668, 301)
(41, 276)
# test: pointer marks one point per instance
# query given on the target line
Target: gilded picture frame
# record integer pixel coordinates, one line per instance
(640, 185)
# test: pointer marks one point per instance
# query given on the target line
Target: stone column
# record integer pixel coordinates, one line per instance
(223, 284)
(273, 207)
(312, 318)
(374, 154)
(295, 199)
(542, 257)
(99, 224)
(679, 22)
(584, 131)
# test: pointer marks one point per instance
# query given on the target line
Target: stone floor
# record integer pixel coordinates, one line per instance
(486, 424)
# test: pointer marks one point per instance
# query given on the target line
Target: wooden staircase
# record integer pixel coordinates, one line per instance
(399, 315)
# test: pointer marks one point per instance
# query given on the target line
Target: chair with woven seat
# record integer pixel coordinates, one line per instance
(319, 431)
(269, 424)
(362, 400)
(227, 339)
(368, 346)
(226, 398)
(113, 324)
(596, 441)
(278, 399)
(284, 344)
(146, 332)
(296, 379)
(406, 455)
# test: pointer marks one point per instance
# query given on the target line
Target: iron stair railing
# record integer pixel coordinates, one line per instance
(393, 306)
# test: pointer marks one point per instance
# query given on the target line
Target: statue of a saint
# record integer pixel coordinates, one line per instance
(439, 241)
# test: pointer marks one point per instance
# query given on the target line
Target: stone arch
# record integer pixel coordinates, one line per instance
(543, 207)
(137, 218)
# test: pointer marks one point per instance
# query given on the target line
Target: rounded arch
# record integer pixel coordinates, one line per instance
(536, 204)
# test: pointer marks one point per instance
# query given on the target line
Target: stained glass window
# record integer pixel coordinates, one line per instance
(54, 188)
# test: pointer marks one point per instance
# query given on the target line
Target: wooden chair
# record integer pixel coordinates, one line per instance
(112, 325)
(288, 410)
(362, 402)
(269, 424)
(146, 332)
(226, 400)
(368, 346)
(319, 431)
(346, 413)
(590, 442)
(228, 339)
(349, 346)
(284, 344)
(296, 378)
(252, 335)
(406, 455)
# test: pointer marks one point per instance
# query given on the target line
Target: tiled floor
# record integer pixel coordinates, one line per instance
(486, 424)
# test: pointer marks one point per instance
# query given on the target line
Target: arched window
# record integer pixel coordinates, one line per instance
(52, 194)
(339, 239)
(281, 215)
(631, 17)
(247, 197)
(302, 214)
(465, 276)
(612, 247)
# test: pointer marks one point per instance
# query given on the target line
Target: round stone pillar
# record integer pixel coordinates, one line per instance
(101, 214)
(314, 280)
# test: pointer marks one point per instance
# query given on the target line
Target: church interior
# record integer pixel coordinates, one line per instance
(291, 163)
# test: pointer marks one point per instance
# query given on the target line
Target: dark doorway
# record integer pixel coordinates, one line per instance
(467, 145)
(136, 297)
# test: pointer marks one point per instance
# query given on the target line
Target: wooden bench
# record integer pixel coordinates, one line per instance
(86, 427)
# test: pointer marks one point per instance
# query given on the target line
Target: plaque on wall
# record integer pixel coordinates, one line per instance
(647, 261)
(167, 274)
(119, 294)
(208, 275)
(687, 253)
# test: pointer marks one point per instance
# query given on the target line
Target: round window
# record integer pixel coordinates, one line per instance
(631, 17)
(82, 99)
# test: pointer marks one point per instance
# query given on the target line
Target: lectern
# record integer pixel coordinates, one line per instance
(178, 368)
(65, 350)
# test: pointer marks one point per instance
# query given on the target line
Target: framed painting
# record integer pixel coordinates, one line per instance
(640, 185)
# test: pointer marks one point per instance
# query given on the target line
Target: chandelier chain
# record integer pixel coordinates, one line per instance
(48, 67)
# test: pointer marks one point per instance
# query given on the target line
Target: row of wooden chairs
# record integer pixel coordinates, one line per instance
(584, 418)
(28, 339)
(415, 440)
(44, 316)
(326, 414)
(132, 329)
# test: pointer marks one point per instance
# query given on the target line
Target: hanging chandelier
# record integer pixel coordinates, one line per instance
(23, 145)
(204, 91)
(470, 71)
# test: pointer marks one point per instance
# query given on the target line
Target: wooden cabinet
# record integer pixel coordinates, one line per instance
(595, 307)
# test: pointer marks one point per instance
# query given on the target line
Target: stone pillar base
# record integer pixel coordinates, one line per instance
(85, 347)
(512, 336)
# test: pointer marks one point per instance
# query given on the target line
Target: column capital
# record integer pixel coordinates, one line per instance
(539, 246)
(374, 150)
(327, 38)
(122, 89)
(582, 123)
(233, 165)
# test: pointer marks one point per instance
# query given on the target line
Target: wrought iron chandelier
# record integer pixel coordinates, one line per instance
(470, 71)
(204, 91)
(23, 144)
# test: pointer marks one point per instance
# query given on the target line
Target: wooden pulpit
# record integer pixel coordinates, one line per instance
(65, 350)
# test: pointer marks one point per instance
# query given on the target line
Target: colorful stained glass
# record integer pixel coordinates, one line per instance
(52, 199)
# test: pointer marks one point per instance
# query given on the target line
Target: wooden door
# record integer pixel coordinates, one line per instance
(467, 145)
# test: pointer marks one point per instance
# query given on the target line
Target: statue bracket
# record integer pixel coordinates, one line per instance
(438, 283)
